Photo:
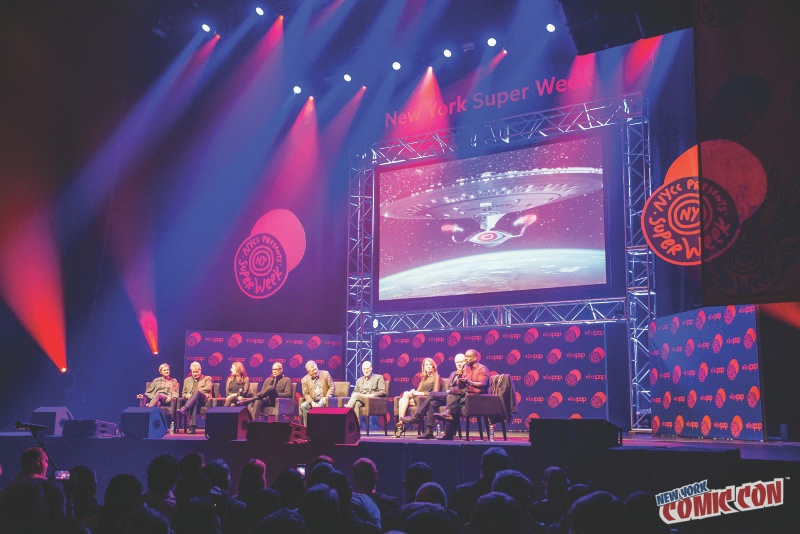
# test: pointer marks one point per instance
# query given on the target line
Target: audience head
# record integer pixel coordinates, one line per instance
(555, 483)
(494, 459)
(417, 474)
(597, 513)
(262, 503)
(337, 481)
(82, 482)
(322, 458)
(641, 511)
(162, 474)
(191, 462)
(365, 475)
(426, 518)
(575, 492)
(319, 507)
(291, 486)
(284, 521)
(252, 478)
(196, 516)
(514, 484)
(433, 493)
(318, 473)
(497, 512)
(191, 486)
(34, 463)
(218, 473)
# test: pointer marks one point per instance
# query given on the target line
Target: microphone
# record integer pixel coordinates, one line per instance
(30, 426)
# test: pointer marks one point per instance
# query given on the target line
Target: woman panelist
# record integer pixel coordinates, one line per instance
(430, 382)
(237, 387)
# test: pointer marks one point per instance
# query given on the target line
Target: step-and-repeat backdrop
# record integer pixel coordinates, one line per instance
(704, 376)
(557, 372)
(216, 351)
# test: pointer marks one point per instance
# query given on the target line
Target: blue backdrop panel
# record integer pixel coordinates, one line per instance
(216, 351)
(704, 377)
(557, 372)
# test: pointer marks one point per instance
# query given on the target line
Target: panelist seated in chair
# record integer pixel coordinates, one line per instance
(237, 387)
(434, 401)
(369, 385)
(162, 389)
(474, 380)
(431, 381)
(196, 390)
(276, 386)
(317, 388)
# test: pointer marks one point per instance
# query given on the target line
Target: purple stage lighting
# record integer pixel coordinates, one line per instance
(396, 65)
(206, 28)
(347, 78)
(447, 52)
(297, 89)
(550, 27)
(260, 11)
(491, 41)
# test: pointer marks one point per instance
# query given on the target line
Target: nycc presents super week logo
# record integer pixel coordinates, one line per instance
(260, 266)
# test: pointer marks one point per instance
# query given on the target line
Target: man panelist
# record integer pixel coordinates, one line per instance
(474, 380)
(369, 385)
(274, 387)
(317, 389)
(196, 389)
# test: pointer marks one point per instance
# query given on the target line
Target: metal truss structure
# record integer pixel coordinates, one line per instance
(635, 309)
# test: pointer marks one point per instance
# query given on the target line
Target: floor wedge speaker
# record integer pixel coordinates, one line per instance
(143, 423)
(53, 417)
(227, 423)
(263, 432)
(333, 425)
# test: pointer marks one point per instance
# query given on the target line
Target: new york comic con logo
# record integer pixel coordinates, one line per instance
(697, 501)
(264, 259)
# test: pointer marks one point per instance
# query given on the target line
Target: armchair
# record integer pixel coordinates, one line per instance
(283, 408)
(167, 409)
(374, 406)
(493, 407)
(213, 400)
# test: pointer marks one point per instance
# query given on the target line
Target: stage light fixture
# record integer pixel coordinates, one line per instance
(297, 89)
(491, 41)
(551, 28)
(63, 370)
(447, 53)
(396, 65)
(348, 78)
(259, 11)
(430, 68)
(206, 28)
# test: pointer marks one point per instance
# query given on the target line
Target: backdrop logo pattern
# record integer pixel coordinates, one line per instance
(707, 393)
(292, 350)
(557, 372)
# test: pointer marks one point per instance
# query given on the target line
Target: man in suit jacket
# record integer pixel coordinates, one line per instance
(369, 385)
(317, 389)
(274, 387)
(196, 390)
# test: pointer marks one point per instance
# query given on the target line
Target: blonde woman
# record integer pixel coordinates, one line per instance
(430, 382)
(237, 387)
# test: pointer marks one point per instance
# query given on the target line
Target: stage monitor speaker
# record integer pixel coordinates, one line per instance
(574, 433)
(333, 425)
(90, 428)
(227, 423)
(275, 432)
(143, 422)
(53, 417)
